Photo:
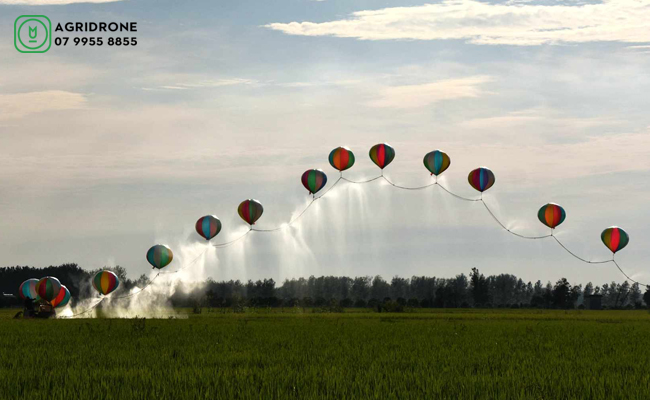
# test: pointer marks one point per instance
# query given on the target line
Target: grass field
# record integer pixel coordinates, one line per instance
(454, 354)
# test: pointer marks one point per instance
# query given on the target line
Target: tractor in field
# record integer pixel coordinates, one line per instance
(37, 309)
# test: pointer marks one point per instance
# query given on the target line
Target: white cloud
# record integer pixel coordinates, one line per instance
(19, 105)
(539, 117)
(413, 96)
(210, 83)
(51, 2)
(485, 23)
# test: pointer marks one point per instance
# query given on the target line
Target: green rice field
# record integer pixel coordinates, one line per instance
(296, 353)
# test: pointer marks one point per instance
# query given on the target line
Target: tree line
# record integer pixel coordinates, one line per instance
(473, 290)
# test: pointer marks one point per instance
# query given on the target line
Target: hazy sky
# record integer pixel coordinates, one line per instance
(106, 151)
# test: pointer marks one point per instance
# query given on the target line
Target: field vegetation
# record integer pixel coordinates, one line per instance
(314, 353)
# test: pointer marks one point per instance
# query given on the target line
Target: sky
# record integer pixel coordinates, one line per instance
(106, 151)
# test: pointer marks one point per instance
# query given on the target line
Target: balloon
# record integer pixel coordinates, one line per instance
(48, 288)
(551, 215)
(382, 154)
(27, 289)
(250, 211)
(481, 179)
(160, 256)
(314, 180)
(615, 238)
(63, 298)
(341, 158)
(208, 226)
(105, 282)
(437, 162)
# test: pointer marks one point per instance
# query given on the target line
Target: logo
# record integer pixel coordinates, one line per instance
(32, 34)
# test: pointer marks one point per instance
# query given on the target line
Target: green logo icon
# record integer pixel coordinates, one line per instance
(32, 34)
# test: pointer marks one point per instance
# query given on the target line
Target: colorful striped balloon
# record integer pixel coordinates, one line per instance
(481, 179)
(160, 256)
(551, 215)
(208, 226)
(48, 288)
(250, 211)
(314, 180)
(63, 298)
(341, 158)
(615, 238)
(105, 282)
(437, 162)
(27, 289)
(382, 154)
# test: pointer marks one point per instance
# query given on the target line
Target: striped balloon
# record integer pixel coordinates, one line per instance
(437, 162)
(27, 289)
(63, 298)
(382, 154)
(48, 288)
(615, 238)
(208, 226)
(250, 210)
(481, 179)
(341, 158)
(551, 215)
(160, 256)
(105, 282)
(314, 180)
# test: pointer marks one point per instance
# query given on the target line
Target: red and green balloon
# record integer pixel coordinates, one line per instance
(62, 299)
(481, 179)
(551, 215)
(48, 288)
(314, 180)
(208, 226)
(382, 154)
(105, 282)
(250, 211)
(341, 158)
(615, 238)
(437, 162)
(159, 256)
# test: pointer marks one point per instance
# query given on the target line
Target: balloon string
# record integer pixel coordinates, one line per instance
(408, 188)
(506, 228)
(454, 194)
(330, 188)
(297, 217)
(226, 244)
(626, 275)
(289, 223)
(85, 311)
(141, 290)
(577, 256)
(366, 181)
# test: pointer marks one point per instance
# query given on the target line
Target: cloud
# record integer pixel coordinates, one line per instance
(486, 23)
(51, 2)
(540, 117)
(413, 96)
(19, 105)
(210, 83)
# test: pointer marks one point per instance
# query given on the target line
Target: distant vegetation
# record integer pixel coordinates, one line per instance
(475, 290)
